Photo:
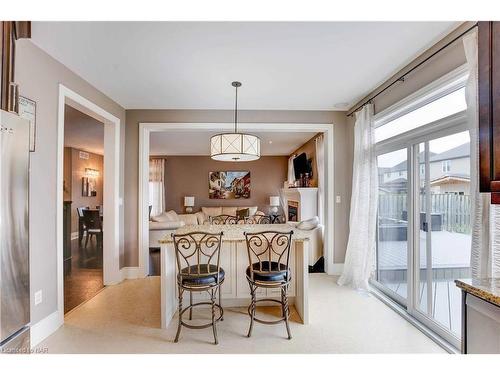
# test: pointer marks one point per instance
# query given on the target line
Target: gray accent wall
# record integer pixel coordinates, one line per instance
(39, 76)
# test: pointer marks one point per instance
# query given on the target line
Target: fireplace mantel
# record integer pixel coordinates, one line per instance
(303, 200)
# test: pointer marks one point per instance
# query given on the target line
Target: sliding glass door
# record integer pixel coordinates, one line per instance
(423, 236)
(442, 251)
(392, 233)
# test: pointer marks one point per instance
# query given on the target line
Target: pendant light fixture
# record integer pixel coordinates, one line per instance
(235, 146)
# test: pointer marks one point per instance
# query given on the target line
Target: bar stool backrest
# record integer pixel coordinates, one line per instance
(267, 247)
(223, 219)
(195, 249)
(258, 219)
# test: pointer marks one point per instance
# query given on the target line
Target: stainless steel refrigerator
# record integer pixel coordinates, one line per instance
(14, 243)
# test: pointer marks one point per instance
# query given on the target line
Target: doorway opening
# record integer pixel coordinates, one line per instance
(108, 212)
(83, 207)
(198, 133)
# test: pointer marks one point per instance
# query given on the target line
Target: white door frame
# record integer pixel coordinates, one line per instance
(145, 129)
(111, 187)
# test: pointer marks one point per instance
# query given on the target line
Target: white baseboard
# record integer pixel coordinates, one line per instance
(44, 328)
(337, 269)
(48, 325)
(74, 236)
(130, 273)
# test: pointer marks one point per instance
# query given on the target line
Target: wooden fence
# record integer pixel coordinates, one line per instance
(455, 209)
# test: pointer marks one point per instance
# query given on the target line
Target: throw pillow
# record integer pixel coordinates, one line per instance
(309, 224)
(211, 211)
(161, 218)
(242, 213)
(172, 216)
(252, 210)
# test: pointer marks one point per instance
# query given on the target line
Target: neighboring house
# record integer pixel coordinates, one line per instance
(449, 172)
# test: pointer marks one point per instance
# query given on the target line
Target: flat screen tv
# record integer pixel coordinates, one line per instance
(302, 166)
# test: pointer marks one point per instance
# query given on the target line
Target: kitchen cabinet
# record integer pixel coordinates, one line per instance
(489, 108)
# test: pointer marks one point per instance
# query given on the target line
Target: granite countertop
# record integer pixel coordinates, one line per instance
(235, 232)
(487, 289)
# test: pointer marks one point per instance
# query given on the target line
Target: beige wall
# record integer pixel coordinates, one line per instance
(78, 166)
(343, 137)
(343, 160)
(188, 175)
(39, 76)
(445, 61)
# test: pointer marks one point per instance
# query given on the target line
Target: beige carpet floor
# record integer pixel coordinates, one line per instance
(125, 318)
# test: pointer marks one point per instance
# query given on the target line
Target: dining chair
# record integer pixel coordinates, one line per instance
(81, 223)
(93, 224)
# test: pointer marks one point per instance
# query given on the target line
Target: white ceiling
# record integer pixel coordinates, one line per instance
(282, 65)
(82, 131)
(198, 143)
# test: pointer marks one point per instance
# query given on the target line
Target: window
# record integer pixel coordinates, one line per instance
(446, 166)
(438, 109)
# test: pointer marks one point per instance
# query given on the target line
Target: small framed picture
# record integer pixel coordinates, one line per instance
(27, 110)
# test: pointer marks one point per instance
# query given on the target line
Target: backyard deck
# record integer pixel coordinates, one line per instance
(450, 260)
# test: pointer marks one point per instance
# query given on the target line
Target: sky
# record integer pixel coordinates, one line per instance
(436, 146)
(443, 107)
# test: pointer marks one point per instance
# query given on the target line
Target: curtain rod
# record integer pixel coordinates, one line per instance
(402, 77)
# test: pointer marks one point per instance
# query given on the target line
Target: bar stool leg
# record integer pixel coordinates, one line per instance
(212, 298)
(180, 317)
(286, 311)
(191, 304)
(220, 304)
(252, 309)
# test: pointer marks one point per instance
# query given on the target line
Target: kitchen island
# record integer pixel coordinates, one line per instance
(480, 315)
(234, 260)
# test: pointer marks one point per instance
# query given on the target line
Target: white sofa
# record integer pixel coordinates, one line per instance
(168, 222)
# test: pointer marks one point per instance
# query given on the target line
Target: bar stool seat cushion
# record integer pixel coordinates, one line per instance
(201, 279)
(276, 273)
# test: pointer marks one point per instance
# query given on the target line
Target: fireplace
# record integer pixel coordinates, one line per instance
(293, 210)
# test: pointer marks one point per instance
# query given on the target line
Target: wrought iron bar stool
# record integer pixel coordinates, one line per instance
(223, 219)
(258, 219)
(198, 266)
(268, 256)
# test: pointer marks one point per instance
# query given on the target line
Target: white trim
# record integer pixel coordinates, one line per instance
(128, 273)
(442, 86)
(111, 200)
(44, 328)
(144, 132)
(436, 129)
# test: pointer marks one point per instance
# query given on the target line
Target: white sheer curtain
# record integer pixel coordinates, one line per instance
(157, 186)
(291, 170)
(359, 261)
(320, 166)
(485, 261)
